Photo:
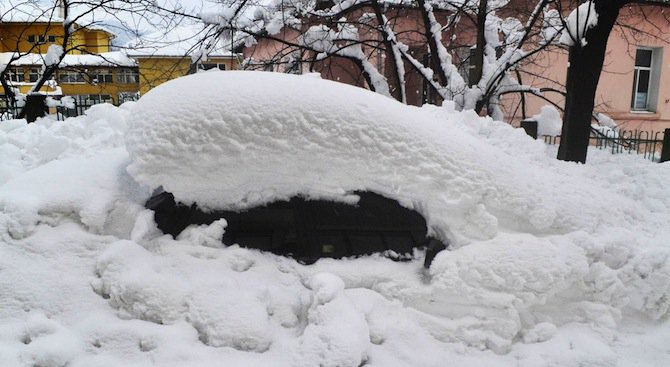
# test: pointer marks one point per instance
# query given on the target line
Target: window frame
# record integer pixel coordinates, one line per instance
(31, 72)
(654, 69)
(102, 76)
(78, 79)
(16, 75)
(127, 76)
(213, 65)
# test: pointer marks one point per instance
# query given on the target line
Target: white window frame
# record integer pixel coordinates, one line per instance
(213, 65)
(654, 70)
(70, 77)
(92, 99)
(102, 76)
(16, 75)
(34, 71)
(127, 76)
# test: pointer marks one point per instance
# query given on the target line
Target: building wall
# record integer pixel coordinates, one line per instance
(615, 88)
(546, 69)
(15, 36)
(408, 25)
(156, 70)
(86, 87)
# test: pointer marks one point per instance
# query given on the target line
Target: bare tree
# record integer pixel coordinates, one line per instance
(587, 47)
(460, 51)
(74, 17)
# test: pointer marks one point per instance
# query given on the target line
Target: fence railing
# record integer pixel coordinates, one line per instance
(63, 112)
(9, 113)
(648, 144)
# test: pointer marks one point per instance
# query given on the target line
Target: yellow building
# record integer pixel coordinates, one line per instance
(90, 71)
(162, 57)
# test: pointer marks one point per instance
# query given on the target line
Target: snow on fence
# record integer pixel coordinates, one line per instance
(9, 113)
(644, 142)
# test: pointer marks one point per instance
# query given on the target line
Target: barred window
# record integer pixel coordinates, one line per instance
(101, 76)
(85, 100)
(219, 66)
(34, 74)
(15, 75)
(70, 76)
(127, 76)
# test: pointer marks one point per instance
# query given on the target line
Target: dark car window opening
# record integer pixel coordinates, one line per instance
(308, 230)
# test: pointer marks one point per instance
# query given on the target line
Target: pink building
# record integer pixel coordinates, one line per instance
(634, 87)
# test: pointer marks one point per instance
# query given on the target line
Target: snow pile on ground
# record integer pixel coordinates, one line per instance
(549, 121)
(553, 264)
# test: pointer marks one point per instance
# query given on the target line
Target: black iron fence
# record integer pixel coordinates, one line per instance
(9, 113)
(77, 109)
(648, 144)
(61, 112)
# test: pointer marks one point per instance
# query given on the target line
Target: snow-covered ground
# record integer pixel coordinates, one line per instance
(553, 263)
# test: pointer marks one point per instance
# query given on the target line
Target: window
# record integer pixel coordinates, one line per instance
(34, 74)
(85, 100)
(127, 76)
(645, 79)
(128, 96)
(213, 66)
(15, 75)
(41, 38)
(101, 76)
(52, 39)
(31, 39)
(70, 76)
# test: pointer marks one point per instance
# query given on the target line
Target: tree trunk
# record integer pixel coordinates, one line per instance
(35, 107)
(585, 64)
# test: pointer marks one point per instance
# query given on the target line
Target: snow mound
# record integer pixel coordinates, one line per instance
(241, 139)
(554, 264)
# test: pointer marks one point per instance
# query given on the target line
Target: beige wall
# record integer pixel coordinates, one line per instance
(615, 89)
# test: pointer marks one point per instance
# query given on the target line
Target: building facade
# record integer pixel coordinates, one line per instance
(634, 87)
(91, 71)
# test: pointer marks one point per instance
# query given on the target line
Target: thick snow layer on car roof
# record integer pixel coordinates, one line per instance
(240, 139)
(87, 279)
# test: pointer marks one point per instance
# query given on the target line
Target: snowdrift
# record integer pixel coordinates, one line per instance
(555, 264)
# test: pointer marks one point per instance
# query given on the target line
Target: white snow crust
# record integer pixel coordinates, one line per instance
(552, 264)
(580, 20)
(549, 121)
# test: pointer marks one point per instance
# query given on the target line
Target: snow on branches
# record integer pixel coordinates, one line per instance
(459, 50)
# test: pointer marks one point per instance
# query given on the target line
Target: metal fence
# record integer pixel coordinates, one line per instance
(61, 113)
(649, 144)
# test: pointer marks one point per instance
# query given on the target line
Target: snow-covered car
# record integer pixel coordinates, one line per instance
(550, 263)
(320, 200)
(308, 230)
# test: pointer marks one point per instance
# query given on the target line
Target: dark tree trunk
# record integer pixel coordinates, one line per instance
(435, 63)
(477, 71)
(584, 66)
(35, 107)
